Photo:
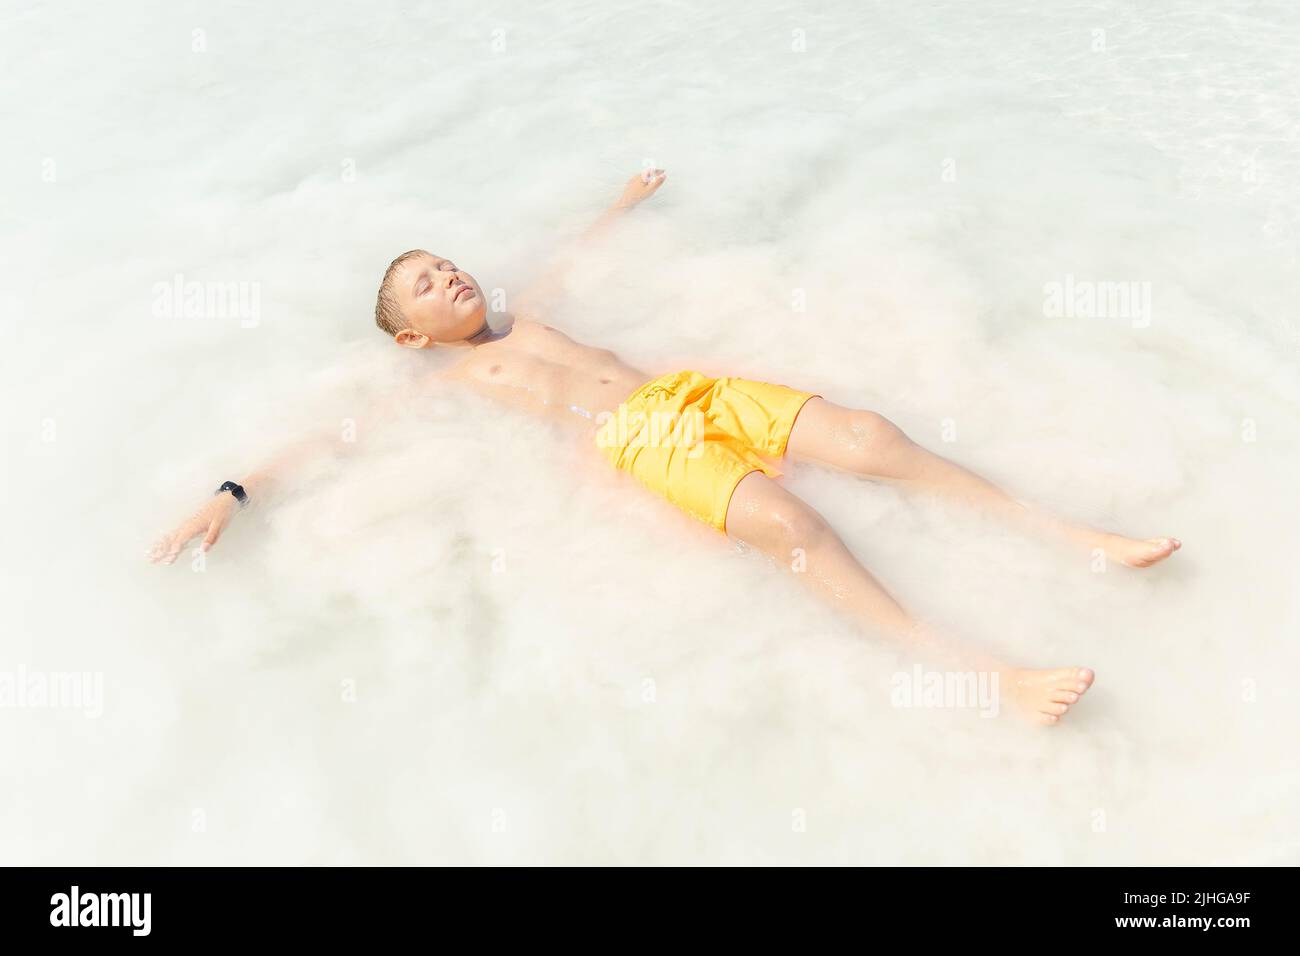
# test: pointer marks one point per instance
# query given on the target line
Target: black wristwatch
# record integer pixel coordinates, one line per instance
(237, 490)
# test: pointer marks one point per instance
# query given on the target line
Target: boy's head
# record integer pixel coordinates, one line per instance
(425, 299)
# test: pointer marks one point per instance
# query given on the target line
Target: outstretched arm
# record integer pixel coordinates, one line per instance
(212, 517)
(638, 189)
(216, 512)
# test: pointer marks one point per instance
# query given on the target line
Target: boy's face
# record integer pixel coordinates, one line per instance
(439, 302)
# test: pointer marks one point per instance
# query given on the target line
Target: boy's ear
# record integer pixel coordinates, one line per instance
(411, 339)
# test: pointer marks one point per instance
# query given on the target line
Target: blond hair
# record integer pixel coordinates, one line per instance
(388, 313)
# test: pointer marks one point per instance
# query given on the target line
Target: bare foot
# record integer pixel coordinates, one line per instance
(1044, 697)
(1135, 552)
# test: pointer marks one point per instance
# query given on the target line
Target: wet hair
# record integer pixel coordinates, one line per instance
(388, 314)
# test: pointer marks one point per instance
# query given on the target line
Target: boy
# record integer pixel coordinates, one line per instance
(706, 444)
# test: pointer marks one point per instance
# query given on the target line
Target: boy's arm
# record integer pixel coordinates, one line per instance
(216, 513)
(638, 189)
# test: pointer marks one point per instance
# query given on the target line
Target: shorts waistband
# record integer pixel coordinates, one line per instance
(663, 383)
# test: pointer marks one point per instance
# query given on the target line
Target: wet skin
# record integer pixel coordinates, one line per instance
(539, 369)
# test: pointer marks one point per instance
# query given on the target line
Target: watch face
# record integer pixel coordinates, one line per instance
(240, 495)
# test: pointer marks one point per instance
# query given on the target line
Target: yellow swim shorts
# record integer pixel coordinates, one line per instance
(692, 438)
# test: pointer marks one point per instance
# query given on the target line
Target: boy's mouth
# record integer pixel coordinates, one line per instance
(462, 291)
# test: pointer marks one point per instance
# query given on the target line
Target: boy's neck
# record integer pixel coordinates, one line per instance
(488, 334)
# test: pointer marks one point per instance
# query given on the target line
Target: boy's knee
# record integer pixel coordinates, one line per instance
(794, 525)
(875, 430)
(877, 443)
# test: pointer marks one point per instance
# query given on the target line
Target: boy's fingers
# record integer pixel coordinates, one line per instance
(182, 536)
(214, 532)
(162, 548)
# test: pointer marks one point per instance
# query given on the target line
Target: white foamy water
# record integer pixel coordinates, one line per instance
(463, 643)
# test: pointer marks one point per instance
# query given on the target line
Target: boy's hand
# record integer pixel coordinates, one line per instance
(640, 187)
(208, 521)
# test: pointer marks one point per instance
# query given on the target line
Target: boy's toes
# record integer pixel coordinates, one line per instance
(1152, 551)
(1079, 681)
(1045, 697)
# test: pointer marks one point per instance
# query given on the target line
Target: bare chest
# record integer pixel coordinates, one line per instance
(539, 369)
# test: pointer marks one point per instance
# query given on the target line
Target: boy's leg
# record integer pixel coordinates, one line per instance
(866, 443)
(766, 516)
